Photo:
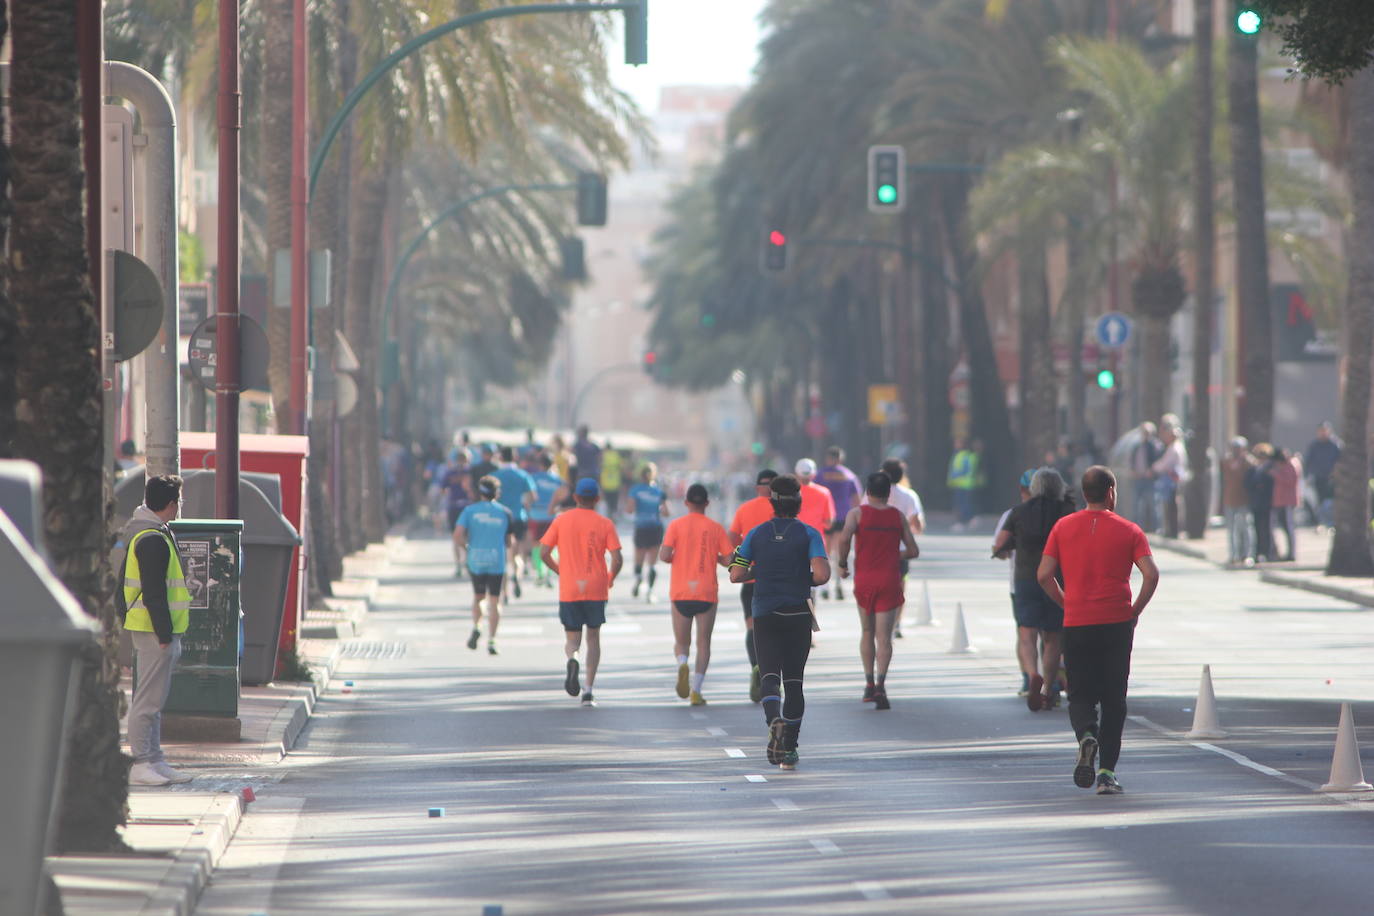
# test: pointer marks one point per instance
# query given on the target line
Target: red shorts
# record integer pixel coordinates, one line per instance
(875, 598)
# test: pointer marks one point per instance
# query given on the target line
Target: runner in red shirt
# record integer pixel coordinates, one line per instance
(749, 516)
(883, 540)
(1096, 550)
(694, 545)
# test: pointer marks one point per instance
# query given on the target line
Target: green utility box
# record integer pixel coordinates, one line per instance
(206, 680)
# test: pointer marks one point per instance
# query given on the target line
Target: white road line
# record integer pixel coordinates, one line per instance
(733, 752)
(756, 777)
(785, 804)
(715, 731)
(872, 890)
(825, 847)
(1228, 754)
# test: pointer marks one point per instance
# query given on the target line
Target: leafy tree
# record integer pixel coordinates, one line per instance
(1330, 39)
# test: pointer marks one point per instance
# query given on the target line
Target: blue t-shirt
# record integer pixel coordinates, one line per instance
(781, 550)
(515, 483)
(486, 523)
(647, 499)
(546, 484)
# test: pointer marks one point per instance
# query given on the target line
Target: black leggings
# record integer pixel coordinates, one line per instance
(783, 642)
(1098, 659)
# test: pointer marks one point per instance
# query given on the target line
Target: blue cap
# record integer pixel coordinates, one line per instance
(1026, 477)
(587, 487)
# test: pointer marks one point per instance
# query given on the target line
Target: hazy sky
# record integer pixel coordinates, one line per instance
(692, 41)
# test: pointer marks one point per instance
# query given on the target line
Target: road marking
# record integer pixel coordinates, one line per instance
(1228, 754)
(825, 847)
(715, 731)
(872, 890)
(733, 752)
(756, 777)
(785, 804)
(697, 715)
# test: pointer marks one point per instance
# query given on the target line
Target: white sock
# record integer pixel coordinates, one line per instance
(697, 678)
(682, 659)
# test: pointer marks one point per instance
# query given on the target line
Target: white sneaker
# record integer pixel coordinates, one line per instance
(173, 776)
(145, 774)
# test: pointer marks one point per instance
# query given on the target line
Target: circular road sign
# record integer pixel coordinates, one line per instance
(253, 353)
(1114, 329)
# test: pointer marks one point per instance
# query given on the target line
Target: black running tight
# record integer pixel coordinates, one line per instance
(783, 642)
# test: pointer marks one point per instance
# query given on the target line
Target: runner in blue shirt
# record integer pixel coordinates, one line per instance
(517, 495)
(649, 506)
(485, 528)
(548, 488)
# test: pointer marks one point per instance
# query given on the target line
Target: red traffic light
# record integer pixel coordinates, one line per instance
(650, 357)
(777, 238)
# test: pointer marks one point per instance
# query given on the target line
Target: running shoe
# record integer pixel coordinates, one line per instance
(880, 699)
(588, 699)
(789, 761)
(774, 749)
(683, 686)
(491, 648)
(570, 683)
(634, 592)
(869, 691)
(1084, 769)
(652, 598)
(1034, 698)
(1107, 783)
(472, 640)
(515, 584)
(1052, 701)
(825, 593)
(897, 633)
(755, 685)
(839, 593)
(1025, 685)
(698, 699)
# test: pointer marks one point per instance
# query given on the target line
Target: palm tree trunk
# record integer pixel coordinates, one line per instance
(1199, 497)
(936, 444)
(59, 407)
(1350, 545)
(1039, 423)
(9, 319)
(1252, 244)
(360, 317)
(1075, 309)
(1154, 366)
(275, 165)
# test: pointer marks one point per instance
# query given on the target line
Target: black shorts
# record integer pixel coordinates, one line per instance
(1033, 608)
(578, 614)
(484, 584)
(746, 598)
(648, 536)
(518, 527)
(693, 608)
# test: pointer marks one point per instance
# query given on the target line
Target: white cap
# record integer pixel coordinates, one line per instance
(806, 466)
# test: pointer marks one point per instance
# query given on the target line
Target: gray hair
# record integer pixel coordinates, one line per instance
(1047, 483)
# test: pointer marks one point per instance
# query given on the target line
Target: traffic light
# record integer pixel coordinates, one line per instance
(886, 179)
(1106, 379)
(591, 199)
(574, 259)
(1248, 20)
(775, 251)
(650, 362)
(637, 33)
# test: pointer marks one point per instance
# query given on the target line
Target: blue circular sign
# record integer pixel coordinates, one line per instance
(1113, 330)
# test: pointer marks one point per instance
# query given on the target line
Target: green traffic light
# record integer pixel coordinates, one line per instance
(1249, 22)
(1106, 379)
(887, 194)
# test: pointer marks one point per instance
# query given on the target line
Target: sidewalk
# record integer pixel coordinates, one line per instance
(180, 832)
(1306, 572)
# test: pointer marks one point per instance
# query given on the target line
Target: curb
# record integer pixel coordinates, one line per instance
(1274, 576)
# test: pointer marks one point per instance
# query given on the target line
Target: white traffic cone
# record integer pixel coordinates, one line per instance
(924, 618)
(1205, 723)
(958, 644)
(1347, 775)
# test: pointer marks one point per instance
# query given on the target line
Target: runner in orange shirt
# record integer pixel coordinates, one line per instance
(749, 516)
(694, 545)
(583, 537)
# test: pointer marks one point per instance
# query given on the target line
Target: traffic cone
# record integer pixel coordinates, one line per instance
(1205, 723)
(958, 644)
(924, 617)
(1347, 775)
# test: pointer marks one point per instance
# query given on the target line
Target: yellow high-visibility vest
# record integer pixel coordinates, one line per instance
(178, 596)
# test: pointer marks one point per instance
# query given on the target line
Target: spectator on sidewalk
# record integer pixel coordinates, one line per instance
(1148, 449)
(158, 606)
(1259, 487)
(1169, 470)
(1287, 474)
(1320, 460)
(962, 480)
(1235, 503)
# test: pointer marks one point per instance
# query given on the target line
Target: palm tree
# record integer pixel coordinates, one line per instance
(58, 410)
(9, 321)
(1198, 502)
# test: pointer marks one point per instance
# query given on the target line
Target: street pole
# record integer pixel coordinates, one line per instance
(300, 202)
(227, 316)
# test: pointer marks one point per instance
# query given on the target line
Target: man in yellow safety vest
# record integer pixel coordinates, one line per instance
(159, 606)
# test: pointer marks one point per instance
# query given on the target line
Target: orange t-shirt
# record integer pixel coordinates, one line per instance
(750, 515)
(817, 508)
(582, 537)
(698, 543)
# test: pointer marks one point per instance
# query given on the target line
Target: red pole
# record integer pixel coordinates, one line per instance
(227, 325)
(300, 201)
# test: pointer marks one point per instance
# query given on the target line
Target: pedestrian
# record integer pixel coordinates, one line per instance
(484, 465)
(548, 487)
(648, 507)
(1169, 470)
(962, 480)
(563, 461)
(752, 513)
(1323, 453)
(1004, 548)
(612, 478)
(1259, 488)
(1094, 551)
(905, 500)
(845, 492)
(1147, 450)
(586, 456)
(584, 580)
(517, 495)
(1039, 621)
(883, 542)
(818, 507)
(158, 610)
(1287, 474)
(694, 545)
(1235, 503)
(454, 481)
(786, 559)
(486, 529)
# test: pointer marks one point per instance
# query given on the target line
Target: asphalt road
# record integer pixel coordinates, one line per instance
(958, 800)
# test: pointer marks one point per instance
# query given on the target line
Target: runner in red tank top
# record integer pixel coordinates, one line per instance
(883, 540)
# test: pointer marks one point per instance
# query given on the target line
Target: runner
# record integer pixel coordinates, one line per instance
(905, 500)
(586, 537)
(883, 542)
(748, 516)
(1008, 552)
(648, 506)
(485, 528)
(818, 507)
(1096, 549)
(845, 491)
(517, 495)
(456, 484)
(612, 478)
(547, 489)
(694, 545)
(786, 558)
